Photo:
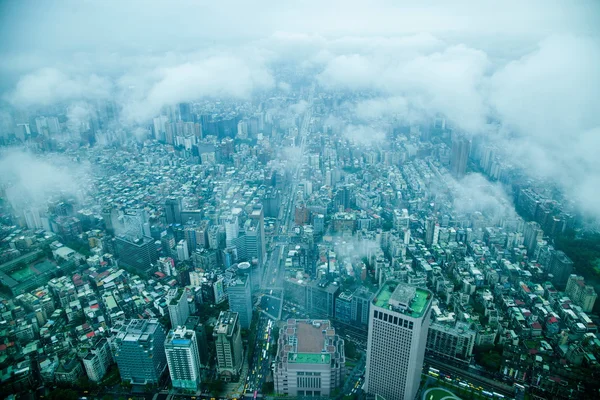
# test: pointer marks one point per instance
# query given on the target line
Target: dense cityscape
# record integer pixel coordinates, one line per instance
(305, 215)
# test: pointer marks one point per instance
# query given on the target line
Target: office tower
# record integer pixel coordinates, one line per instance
(138, 253)
(228, 343)
(398, 326)
(560, 267)
(430, 231)
(181, 348)
(461, 146)
(97, 360)
(140, 352)
(232, 228)
(258, 215)
(254, 245)
(195, 324)
(310, 359)
(239, 293)
(453, 343)
(361, 305)
(583, 295)
(173, 207)
(182, 251)
(185, 112)
(179, 310)
(319, 223)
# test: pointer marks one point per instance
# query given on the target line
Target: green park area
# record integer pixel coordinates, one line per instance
(439, 394)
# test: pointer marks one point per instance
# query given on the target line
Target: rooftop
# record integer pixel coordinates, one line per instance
(403, 298)
(309, 358)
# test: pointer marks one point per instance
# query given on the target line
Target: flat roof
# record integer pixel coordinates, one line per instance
(394, 294)
(310, 337)
(309, 358)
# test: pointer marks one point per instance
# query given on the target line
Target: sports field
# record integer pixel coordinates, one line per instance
(32, 270)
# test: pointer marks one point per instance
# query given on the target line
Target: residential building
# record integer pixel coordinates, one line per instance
(583, 295)
(97, 360)
(179, 309)
(454, 343)
(181, 348)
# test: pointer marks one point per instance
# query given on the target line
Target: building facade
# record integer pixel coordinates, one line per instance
(183, 358)
(453, 343)
(310, 359)
(239, 293)
(97, 361)
(398, 327)
(228, 343)
(140, 352)
(179, 309)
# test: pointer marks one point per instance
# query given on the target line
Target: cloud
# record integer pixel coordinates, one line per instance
(49, 86)
(547, 102)
(364, 134)
(474, 193)
(31, 180)
(219, 76)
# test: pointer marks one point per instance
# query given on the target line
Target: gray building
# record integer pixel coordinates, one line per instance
(310, 359)
(454, 343)
(398, 326)
(239, 293)
(179, 310)
(195, 324)
(228, 343)
(137, 253)
(140, 351)
(97, 360)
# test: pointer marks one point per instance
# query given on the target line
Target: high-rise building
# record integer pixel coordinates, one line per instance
(140, 352)
(179, 309)
(195, 324)
(182, 251)
(139, 254)
(258, 215)
(398, 326)
(254, 243)
(228, 343)
(173, 207)
(310, 359)
(97, 360)
(561, 267)
(183, 358)
(239, 294)
(461, 147)
(583, 295)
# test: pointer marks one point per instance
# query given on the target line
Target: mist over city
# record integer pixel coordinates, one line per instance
(308, 199)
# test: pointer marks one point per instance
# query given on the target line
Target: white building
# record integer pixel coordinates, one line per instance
(310, 359)
(183, 358)
(398, 326)
(179, 310)
(97, 360)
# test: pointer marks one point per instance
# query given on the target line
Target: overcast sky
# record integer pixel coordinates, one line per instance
(532, 65)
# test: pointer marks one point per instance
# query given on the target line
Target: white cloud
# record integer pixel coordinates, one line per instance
(219, 76)
(48, 86)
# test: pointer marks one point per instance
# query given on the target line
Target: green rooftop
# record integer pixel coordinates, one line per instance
(309, 358)
(401, 295)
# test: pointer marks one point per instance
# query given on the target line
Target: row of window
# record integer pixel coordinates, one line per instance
(300, 373)
(392, 319)
(309, 393)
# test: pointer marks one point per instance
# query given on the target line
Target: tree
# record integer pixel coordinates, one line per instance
(215, 386)
(349, 349)
(63, 394)
(268, 388)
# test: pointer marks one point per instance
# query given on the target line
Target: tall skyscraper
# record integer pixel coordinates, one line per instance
(228, 343)
(195, 324)
(258, 215)
(310, 359)
(398, 326)
(239, 293)
(140, 352)
(181, 348)
(179, 309)
(173, 207)
(461, 147)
